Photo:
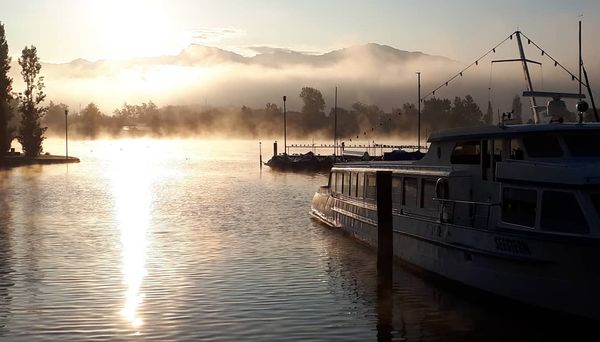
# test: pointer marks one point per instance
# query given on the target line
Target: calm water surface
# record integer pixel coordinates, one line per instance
(190, 240)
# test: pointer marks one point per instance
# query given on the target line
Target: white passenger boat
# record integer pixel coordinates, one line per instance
(513, 210)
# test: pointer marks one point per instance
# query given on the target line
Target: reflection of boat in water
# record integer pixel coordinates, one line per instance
(513, 210)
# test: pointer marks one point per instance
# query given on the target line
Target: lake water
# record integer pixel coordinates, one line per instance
(190, 240)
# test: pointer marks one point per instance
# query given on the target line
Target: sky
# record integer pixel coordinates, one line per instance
(64, 30)
(120, 30)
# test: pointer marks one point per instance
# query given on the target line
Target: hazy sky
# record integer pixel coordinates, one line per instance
(114, 29)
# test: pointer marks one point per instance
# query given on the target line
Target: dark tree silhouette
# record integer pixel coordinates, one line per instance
(517, 109)
(91, 118)
(31, 134)
(313, 101)
(55, 118)
(436, 113)
(488, 118)
(313, 118)
(6, 133)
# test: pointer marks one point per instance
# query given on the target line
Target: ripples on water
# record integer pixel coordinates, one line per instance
(157, 239)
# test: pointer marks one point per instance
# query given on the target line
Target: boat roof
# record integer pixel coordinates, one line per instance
(484, 132)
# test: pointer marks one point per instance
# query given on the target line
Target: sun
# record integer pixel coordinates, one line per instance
(133, 28)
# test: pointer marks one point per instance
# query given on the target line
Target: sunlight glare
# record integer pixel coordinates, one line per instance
(131, 182)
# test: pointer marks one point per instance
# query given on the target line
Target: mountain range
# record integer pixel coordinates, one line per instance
(201, 55)
(203, 75)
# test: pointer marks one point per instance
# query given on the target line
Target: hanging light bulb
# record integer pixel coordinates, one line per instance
(494, 50)
(555, 63)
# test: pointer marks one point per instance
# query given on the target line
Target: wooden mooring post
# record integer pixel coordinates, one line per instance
(385, 255)
(385, 243)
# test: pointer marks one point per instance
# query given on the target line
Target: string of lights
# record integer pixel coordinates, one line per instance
(460, 73)
(556, 63)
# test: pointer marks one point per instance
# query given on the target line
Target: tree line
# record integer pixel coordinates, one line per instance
(360, 121)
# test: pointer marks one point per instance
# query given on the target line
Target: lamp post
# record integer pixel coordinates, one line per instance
(284, 127)
(335, 141)
(66, 135)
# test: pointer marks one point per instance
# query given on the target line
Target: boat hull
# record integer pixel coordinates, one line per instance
(558, 275)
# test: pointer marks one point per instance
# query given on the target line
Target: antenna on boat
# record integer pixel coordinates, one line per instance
(419, 111)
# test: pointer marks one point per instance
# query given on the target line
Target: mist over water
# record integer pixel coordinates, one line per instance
(190, 240)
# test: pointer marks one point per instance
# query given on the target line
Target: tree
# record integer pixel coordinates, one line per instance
(435, 113)
(465, 112)
(91, 119)
(517, 109)
(6, 133)
(313, 101)
(31, 134)
(488, 118)
(55, 118)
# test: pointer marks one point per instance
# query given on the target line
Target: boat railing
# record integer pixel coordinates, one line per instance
(478, 212)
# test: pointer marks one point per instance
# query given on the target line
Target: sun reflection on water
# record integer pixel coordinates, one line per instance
(131, 182)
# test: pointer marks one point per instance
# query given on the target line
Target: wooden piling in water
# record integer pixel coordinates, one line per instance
(384, 223)
(385, 256)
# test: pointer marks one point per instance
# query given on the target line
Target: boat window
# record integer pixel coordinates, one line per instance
(371, 191)
(468, 152)
(584, 145)
(542, 146)
(361, 185)
(516, 150)
(397, 190)
(519, 206)
(428, 193)
(354, 184)
(346, 183)
(409, 196)
(561, 213)
(339, 182)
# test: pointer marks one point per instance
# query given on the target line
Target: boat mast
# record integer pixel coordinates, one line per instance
(536, 118)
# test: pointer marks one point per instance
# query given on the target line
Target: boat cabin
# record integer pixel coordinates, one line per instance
(524, 178)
